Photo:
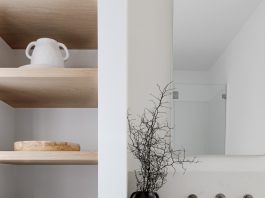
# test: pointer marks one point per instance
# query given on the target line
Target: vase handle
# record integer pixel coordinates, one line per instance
(32, 44)
(66, 51)
(156, 195)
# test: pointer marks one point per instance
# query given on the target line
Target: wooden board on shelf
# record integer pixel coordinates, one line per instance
(46, 146)
(49, 87)
(48, 158)
(73, 23)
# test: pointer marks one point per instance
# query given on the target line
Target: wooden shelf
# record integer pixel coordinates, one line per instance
(48, 158)
(49, 88)
(73, 23)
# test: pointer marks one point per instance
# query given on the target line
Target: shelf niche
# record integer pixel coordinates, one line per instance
(49, 87)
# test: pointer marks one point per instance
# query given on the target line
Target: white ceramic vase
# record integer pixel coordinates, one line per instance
(47, 52)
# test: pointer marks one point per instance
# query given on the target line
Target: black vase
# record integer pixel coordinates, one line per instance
(140, 194)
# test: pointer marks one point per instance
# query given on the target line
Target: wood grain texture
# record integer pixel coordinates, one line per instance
(73, 23)
(45, 146)
(48, 158)
(49, 88)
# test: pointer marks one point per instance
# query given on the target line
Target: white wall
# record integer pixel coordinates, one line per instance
(112, 109)
(242, 65)
(150, 48)
(74, 125)
(6, 54)
(191, 77)
(78, 58)
(150, 56)
(7, 129)
(7, 173)
(150, 53)
(56, 181)
(203, 29)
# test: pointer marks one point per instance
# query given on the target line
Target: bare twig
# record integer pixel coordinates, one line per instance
(150, 144)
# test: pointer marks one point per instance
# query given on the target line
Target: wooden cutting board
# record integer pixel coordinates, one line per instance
(45, 146)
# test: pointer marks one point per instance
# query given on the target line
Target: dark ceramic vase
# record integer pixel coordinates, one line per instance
(140, 194)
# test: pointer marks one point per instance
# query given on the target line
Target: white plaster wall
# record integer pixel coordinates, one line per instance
(242, 65)
(57, 181)
(242, 68)
(112, 109)
(7, 129)
(150, 44)
(78, 58)
(74, 125)
(191, 77)
(7, 173)
(150, 53)
(6, 54)
(232, 175)
(62, 124)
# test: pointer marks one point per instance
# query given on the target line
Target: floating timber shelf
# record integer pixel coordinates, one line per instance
(48, 158)
(49, 87)
(73, 23)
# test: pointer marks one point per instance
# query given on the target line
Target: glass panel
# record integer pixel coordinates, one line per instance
(199, 118)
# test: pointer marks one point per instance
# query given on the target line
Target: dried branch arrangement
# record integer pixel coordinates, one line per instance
(149, 142)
